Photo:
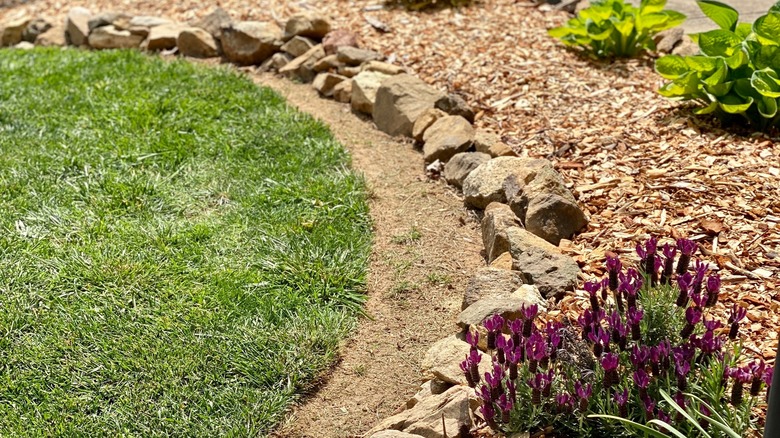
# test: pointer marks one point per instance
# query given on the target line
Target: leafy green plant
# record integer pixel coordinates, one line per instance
(738, 70)
(614, 28)
(417, 5)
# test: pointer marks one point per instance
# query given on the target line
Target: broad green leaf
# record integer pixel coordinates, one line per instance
(767, 107)
(719, 90)
(745, 89)
(775, 7)
(766, 82)
(718, 76)
(733, 104)
(719, 42)
(659, 21)
(738, 59)
(709, 109)
(671, 66)
(764, 56)
(650, 6)
(633, 425)
(560, 32)
(767, 28)
(624, 27)
(596, 13)
(743, 30)
(598, 33)
(682, 87)
(701, 63)
(722, 14)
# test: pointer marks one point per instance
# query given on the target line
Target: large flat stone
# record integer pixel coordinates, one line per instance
(399, 101)
(541, 263)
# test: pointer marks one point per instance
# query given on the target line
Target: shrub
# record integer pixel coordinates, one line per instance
(417, 5)
(614, 28)
(738, 70)
(648, 332)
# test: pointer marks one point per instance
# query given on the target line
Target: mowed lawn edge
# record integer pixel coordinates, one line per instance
(181, 252)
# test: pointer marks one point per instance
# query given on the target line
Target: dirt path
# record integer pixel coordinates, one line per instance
(426, 247)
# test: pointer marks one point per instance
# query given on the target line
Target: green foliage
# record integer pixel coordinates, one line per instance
(737, 72)
(417, 5)
(614, 28)
(181, 252)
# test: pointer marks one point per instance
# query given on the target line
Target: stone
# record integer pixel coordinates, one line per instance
(338, 38)
(442, 361)
(489, 281)
(353, 56)
(343, 92)
(298, 46)
(309, 24)
(666, 40)
(424, 121)
(490, 143)
(148, 21)
(327, 63)
(509, 307)
(35, 28)
(582, 4)
(395, 434)
(109, 19)
(302, 67)
(446, 137)
(425, 418)
(24, 45)
(460, 165)
(486, 183)
(11, 33)
(348, 71)
(496, 220)
(55, 36)
(382, 67)
(454, 105)
(439, 386)
(214, 22)
(197, 43)
(686, 48)
(503, 261)
(164, 37)
(541, 263)
(109, 37)
(276, 62)
(424, 392)
(324, 83)
(399, 101)
(77, 26)
(364, 88)
(250, 42)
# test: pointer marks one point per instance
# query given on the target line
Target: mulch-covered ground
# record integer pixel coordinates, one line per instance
(638, 162)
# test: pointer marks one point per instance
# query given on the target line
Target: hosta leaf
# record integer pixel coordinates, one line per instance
(722, 14)
(560, 32)
(737, 60)
(775, 7)
(734, 104)
(719, 90)
(767, 28)
(707, 109)
(597, 13)
(624, 27)
(743, 88)
(767, 107)
(683, 87)
(719, 42)
(659, 21)
(671, 66)
(650, 6)
(766, 83)
(719, 75)
(598, 33)
(765, 56)
(701, 63)
(743, 30)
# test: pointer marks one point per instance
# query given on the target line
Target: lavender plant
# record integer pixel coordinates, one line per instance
(648, 350)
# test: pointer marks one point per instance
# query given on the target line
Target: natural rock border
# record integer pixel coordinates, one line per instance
(527, 208)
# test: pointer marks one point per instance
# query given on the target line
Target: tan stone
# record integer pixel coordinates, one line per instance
(424, 121)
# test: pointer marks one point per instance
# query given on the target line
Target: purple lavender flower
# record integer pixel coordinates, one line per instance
(767, 377)
(713, 289)
(642, 381)
(494, 380)
(516, 327)
(529, 313)
(493, 325)
(593, 288)
(737, 314)
(504, 404)
(684, 284)
(634, 318)
(604, 289)
(621, 398)
(649, 405)
(472, 338)
(610, 363)
(564, 401)
(537, 384)
(692, 317)
(513, 358)
(583, 393)
(547, 389)
(488, 413)
(687, 249)
(705, 413)
(613, 268)
(474, 358)
(511, 389)
(501, 345)
(700, 270)
(536, 350)
(484, 393)
(639, 356)
(586, 322)
(669, 253)
(682, 368)
(710, 344)
(600, 339)
(554, 338)
(740, 376)
(756, 370)
(465, 366)
(648, 263)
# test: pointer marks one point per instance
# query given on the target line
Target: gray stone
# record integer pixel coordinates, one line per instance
(276, 62)
(364, 88)
(214, 22)
(11, 32)
(667, 39)
(460, 165)
(439, 386)
(348, 71)
(446, 137)
(116, 19)
(148, 21)
(490, 143)
(34, 28)
(486, 183)
(686, 48)
(164, 37)
(52, 37)
(77, 26)
(343, 92)
(250, 42)
(302, 67)
(109, 37)
(395, 434)
(442, 361)
(324, 83)
(541, 263)
(495, 221)
(382, 67)
(338, 38)
(399, 101)
(309, 24)
(454, 105)
(327, 63)
(425, 418)
(354, 57)
(509, 307)
(298, 46)
(491, 282)
(424, 121)
(197, 43)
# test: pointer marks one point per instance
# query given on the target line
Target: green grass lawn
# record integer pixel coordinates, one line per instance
(180, 252)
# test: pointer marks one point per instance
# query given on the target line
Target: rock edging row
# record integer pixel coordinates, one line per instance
(527, 209)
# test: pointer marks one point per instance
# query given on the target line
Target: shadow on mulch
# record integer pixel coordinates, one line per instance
(733, 124)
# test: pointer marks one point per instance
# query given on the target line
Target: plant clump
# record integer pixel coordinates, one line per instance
(417, 5)
(613, 28)
(738, 70)
(657, 355)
